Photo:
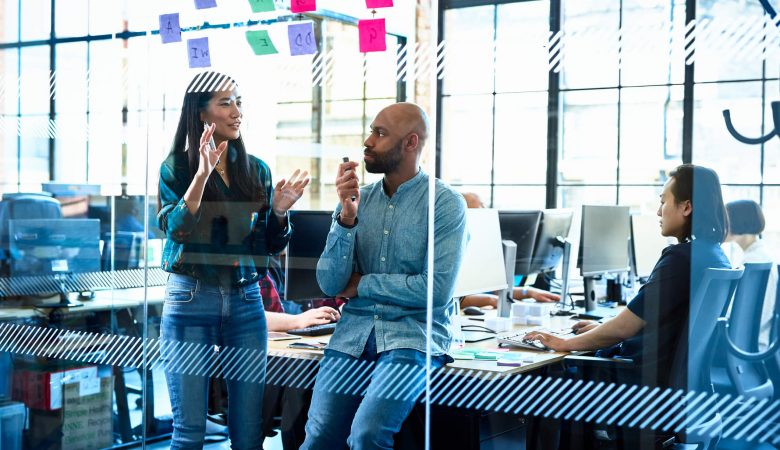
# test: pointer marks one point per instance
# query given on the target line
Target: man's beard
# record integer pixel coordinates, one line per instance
(387, 162)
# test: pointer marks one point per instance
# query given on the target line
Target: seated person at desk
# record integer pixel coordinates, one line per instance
(746, 223)
(655, 323)
(376, 255)
(518, 292)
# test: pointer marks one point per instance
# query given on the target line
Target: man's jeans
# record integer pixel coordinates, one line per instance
(346, 411)
(209, 315)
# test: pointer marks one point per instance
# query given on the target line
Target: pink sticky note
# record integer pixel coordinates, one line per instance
(372, 35)
(299, 6)
(379, 3)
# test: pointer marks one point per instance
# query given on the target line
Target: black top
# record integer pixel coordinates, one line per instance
(664, 303)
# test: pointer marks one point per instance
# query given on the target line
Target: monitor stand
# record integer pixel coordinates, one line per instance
(504, 305)
(562, 308)
(592, 310)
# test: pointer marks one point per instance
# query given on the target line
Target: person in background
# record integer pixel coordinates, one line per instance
(746, 223)
(518, 293)
(656, 321)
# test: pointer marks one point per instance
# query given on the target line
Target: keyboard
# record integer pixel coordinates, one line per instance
(517, 339)
(315, 330)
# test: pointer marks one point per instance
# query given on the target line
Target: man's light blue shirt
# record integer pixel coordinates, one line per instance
(389, 246)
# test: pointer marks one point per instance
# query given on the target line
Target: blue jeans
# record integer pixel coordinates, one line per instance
(196, 318)
(344, 413)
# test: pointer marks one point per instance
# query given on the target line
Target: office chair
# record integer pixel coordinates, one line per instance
(690, 367)
(23, 206)
(732, 374)
(770, 355)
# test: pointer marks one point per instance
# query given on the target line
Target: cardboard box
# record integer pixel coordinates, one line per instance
(42, 389)
(82, 423)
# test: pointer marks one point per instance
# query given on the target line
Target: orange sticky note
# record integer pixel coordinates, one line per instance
(299, 6)
(372, 35)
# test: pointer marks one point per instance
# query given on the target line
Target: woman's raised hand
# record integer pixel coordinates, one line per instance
(287, 192)
(209, 156)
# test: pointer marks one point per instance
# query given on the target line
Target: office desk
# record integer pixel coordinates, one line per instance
(281, 349)
(465, 395)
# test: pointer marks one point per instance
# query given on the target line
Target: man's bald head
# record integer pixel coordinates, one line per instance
(407, 118)
(473, 200)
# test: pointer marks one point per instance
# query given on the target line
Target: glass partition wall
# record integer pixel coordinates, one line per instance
(158, 286)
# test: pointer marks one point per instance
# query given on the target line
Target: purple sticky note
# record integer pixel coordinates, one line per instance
(170, 31)
(198, 52)
(203, 4)
(301, 36)
(379, 3)
(299, 6)
(372, 35)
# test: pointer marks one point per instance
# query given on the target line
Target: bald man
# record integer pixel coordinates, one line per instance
(376, 255)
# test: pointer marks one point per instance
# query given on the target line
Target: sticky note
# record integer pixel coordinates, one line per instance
(372, 35)
(301, 36)
(379, 3)
(170, 31)
(198, 52)
(262, 5)
(299, 6)
(203, 4)
(260, 42)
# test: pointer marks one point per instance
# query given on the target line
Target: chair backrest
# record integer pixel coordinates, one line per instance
(708, 301)
(748, 378)
(23, 206)
(773, 363)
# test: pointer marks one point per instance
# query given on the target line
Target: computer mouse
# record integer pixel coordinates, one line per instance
(473, 311)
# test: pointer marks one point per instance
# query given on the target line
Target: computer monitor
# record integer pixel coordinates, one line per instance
(482, 267)
(604, 240)
(553, 231)
(54, 246)
(603, 248)
(123, 252)
(521, 227)
(304, 250)
(647, 243)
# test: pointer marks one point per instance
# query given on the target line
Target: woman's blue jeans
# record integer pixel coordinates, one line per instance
(213, 331)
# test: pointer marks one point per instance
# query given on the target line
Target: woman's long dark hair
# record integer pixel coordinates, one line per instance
(186, 142)
(701, 186)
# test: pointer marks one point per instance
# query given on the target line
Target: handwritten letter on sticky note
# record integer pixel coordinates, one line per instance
(203, 4)
(260, 42)
(262, 5)
(299, 6)
(379, 3)
(198, 52)
(301, 36)
(372, 35)
(170, 31)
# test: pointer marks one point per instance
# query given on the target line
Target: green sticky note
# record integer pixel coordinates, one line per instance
(260, 42)
(262, 5)
(487, 356)
(461, 355)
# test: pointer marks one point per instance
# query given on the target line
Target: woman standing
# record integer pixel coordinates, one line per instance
(223, 219)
